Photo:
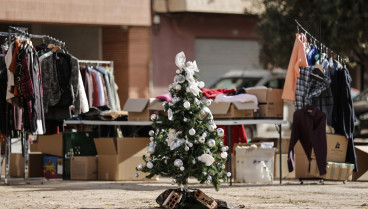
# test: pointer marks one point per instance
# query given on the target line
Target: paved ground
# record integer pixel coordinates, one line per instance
(141, 195)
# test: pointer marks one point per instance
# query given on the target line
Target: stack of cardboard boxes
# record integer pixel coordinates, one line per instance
(336, 167)
(270, 105)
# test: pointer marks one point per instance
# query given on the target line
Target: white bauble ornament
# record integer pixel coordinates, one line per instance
(182, 168)
(153, 117)
(224, 154)
(208, 102)
(201, 139)
(164, 103)
(192, 131)
(221, 143)
(211, 143)
(200, 84)
(173, 181)
(178, 87)
(151, 149)
(179, 79)
(151, 138)
(193, 161)
(204, 173)
(186, 148)
(228, 174)
(223, 166)
(186, 105)
(185, 119)
(203, 112)
(151, 133)
(149, 165)
(208, 182)
(223, 149)
(204, 134)
(209, 178)
(220, 132)
(188, 89)
(227, 148)
(170, 114)
(178, 71)
(140, 166)
(136, 175)
(178, 163)
(190, 144)
(211, 128)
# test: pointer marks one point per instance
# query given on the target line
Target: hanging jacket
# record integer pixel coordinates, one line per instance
(309, 127)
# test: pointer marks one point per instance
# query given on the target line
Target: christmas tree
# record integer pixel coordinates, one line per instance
(185, 141)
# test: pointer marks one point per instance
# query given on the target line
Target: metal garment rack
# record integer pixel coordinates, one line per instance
(322, 46)
(14, 31)
(110, 63)
(227, 123)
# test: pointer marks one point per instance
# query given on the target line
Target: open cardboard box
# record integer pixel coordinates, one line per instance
(83, 168)
(227, 110)
(118, 157)
(140, 109)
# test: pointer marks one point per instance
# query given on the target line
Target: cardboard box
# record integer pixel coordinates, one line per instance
(243, 110)
(259, 92)
(285, 145)
(254, 164)
(35, 164)
(362, 159)
(141, 109)
(337, 147)
(233, 110)
(50, 166)
(83, 168)
(220, 109)
(285, 171)
(49, 145)
(270, 103)
(118, 157)
(16, 165)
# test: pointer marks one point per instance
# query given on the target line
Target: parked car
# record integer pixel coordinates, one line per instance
(360, 103)
(250, 78)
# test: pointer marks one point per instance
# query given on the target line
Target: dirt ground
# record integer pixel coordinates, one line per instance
(142, 195)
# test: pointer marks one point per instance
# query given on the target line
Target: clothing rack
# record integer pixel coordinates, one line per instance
(13, 31)
(323, 46)
(17, 31)
(110, 63)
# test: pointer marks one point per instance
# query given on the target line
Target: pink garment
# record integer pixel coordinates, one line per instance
(165, 97)
(298, 59)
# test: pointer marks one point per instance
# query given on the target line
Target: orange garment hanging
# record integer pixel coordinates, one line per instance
(298, 59)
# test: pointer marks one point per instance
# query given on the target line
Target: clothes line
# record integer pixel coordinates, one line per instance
(321, 44)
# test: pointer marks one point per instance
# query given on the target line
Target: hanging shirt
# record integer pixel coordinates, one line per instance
(343, 111)
(297, 59)
(309, 126)
(313, 55)
(99, 97)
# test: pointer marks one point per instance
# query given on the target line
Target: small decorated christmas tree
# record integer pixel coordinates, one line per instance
(185, 141)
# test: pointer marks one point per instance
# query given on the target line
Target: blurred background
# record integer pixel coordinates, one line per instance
(142, 37)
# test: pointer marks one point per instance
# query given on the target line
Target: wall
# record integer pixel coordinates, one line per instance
(95, 12)
(177, 32)
(130, 50)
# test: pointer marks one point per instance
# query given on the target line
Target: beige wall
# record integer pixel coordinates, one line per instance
(210, 6)
(91, 12)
